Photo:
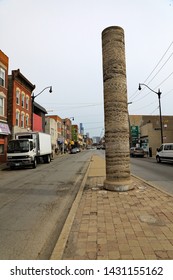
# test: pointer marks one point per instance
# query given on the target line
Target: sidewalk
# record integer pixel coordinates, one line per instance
(105, 225)
(3, 166)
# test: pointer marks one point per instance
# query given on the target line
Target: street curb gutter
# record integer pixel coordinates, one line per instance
(62, 240)
(152, 185)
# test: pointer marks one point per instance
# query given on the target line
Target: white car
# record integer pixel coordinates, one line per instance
(165, 152)
(75, 150)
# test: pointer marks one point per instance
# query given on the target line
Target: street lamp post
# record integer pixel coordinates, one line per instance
(160, 112)
(33, 98)
(130, 138)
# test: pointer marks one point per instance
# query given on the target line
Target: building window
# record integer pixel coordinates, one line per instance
(27, 103)
(1, 149)
(27, 121)
(17, 118)
(17, 97)
(22, 120)
(23, 100)
(1, 106)
(52, 132)
(2, 77)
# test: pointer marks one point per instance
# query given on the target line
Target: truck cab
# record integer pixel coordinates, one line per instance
(21, 152)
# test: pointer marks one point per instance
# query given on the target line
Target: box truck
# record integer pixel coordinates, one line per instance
(27, 148)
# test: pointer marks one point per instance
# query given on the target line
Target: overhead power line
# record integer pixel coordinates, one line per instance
(164, 80)
(158, 63)
(136, 92)
(160, 68)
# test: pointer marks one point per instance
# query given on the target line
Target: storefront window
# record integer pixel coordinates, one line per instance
(1, 106)
(1, 149)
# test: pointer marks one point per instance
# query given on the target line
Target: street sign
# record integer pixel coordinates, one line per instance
(134, 131)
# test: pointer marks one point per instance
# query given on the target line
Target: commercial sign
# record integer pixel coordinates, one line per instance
(134, 131)
(4, 129)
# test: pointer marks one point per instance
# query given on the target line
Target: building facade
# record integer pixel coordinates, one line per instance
(59, 134)
(38, 117)
(145, 131)
(67, 126)
(19, 103)
(4, 128)
(75, 132)
(51, 128)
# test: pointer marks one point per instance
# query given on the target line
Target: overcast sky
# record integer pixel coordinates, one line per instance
(58, 43)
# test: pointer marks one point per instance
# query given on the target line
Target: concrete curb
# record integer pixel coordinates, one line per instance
(62, 240)
(152, 185)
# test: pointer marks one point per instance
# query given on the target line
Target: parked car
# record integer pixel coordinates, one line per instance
(137, 152)
(75, 150)
(165, 152)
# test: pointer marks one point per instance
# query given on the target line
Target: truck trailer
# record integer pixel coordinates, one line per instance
(28, 148)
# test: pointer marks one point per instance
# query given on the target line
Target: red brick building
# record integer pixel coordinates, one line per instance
(4, 129)
(38, 117)
(66, 130)
(19, 103)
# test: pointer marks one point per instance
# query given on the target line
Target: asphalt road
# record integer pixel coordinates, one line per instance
(34, 204)
(159, 174)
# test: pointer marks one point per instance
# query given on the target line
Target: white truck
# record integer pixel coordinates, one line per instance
(28, 148)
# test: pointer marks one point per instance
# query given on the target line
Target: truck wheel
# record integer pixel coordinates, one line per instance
(158, 159)
(48, 159)
(34, 163)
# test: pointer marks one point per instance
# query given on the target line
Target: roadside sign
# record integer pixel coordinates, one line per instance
(134, 131)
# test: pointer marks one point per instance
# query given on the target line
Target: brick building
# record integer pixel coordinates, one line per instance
(51, 128)
(67, 130)
(38, 117)
(4, 128)
(19, 102)
(59, 124)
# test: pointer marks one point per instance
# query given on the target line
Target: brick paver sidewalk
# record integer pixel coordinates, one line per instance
(135, 225)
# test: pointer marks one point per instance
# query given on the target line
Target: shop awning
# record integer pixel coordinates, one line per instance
(4, 129)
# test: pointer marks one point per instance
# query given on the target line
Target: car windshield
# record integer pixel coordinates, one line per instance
(18, 146)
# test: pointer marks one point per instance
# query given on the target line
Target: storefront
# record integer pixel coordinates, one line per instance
(4, 132)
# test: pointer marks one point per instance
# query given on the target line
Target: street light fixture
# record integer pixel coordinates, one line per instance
(33, 98)
(159, 95)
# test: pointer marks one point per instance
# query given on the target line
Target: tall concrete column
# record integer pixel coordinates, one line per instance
(116, 112)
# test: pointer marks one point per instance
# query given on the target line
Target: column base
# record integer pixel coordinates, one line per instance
(118, 186)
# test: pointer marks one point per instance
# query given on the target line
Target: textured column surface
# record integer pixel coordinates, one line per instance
(115, 109)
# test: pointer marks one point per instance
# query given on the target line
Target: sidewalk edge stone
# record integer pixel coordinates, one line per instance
(62, 240)
(152, 185)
